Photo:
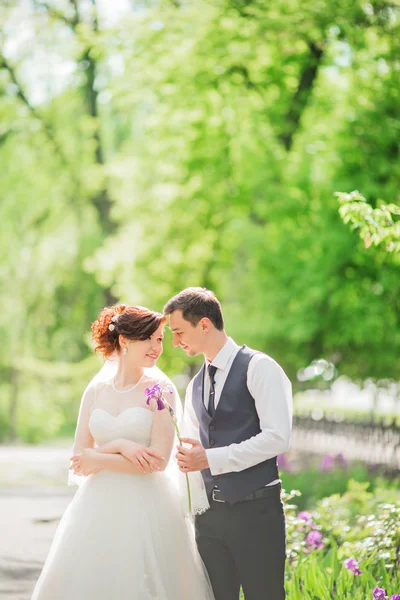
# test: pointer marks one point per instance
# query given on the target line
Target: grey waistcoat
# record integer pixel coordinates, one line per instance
(234, 421)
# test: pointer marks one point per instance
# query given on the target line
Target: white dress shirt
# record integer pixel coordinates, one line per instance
(272, 393)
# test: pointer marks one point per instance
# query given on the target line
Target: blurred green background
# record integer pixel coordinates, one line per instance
(150, 146)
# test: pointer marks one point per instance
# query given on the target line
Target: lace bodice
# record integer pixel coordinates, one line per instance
(133, 423)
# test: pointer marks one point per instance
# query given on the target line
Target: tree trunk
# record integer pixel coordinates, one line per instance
(13, 409)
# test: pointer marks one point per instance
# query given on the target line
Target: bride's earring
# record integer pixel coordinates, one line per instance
(124, 351)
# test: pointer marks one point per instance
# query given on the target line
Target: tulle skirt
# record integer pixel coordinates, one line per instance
(124, 537)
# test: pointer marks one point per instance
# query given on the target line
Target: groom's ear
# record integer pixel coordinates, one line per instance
(205, 324)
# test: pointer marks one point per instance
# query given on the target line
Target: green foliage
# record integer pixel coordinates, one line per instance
(375, 225)
(49, 398)
(357, 524)
(315, 484)
(241, 157)
(196, 144)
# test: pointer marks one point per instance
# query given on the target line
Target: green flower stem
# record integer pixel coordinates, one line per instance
(186, 475)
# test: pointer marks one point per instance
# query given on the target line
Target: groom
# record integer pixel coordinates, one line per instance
(240, 403)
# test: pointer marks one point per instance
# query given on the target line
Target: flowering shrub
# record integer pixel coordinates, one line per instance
(347, 548)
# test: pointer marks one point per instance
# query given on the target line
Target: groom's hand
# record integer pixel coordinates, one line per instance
(191, 459)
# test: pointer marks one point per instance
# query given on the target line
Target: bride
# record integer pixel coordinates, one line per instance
(124, 536)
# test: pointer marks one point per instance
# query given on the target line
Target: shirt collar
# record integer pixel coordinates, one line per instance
(221, 360)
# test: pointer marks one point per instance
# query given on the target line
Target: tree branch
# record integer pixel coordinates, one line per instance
(76, 9)
(244, 72)
(101, 200)
(95, 19)
(58, 15)
(24, 99)
(303, 92)
(4, 136)
(249, 83)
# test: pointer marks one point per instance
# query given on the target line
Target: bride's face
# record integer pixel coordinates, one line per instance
(145, 353)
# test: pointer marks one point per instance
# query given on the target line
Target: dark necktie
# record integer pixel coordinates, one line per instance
(211, 398)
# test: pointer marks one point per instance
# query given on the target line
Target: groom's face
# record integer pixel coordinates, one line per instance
(189, 337)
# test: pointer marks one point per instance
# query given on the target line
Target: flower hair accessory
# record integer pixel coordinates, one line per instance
(114, 321)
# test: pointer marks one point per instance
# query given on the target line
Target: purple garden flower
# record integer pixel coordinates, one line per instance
(395, 597)
(307, 518)
(313, 540)
(327, 463)
(352, 565)
(378, 593)
(284, 463)
(340, 460)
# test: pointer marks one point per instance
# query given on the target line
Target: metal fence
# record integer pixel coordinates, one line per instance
(376, 443)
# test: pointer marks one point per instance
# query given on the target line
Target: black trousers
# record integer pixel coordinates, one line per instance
(244, 545)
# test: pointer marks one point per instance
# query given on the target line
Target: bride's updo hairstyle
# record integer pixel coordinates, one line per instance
(133, 322)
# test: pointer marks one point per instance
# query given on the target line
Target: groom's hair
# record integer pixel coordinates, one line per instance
(195, 304)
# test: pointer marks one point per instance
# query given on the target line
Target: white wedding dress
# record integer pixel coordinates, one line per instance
(123, 536)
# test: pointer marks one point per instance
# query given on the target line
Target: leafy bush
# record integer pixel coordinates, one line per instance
(359, 525)
(326, 479)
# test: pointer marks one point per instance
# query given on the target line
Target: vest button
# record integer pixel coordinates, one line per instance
(212, 427)
(212, 442)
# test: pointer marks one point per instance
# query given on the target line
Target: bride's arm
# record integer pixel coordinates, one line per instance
(136, 453)
(163, 430)
(143, 459)
(158, 453)
(162, 436)
(83, 438)
(91, 460)
(86, 460)
(124, 456)
(127, 456)
(156, 456)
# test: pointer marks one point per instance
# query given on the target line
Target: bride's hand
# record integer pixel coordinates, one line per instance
(85, 463)
(146, 458)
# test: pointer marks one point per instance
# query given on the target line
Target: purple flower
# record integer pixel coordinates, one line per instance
(306, 517)
(378, 593)
(156, 393)
(160, 403)
(340, 460)
(327, 463)
(313, 540)
(395, 597)
(284, 463)
(352, 565)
